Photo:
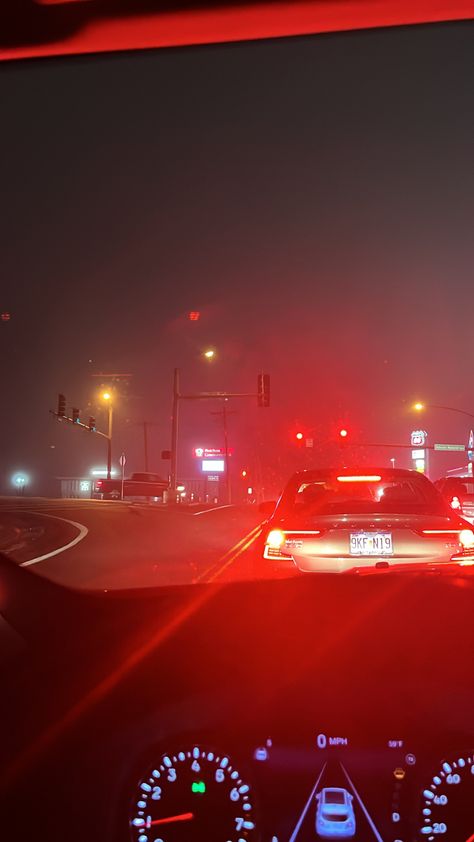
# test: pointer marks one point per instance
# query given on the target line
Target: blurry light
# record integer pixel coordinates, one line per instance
(418, 406)
(106, 396)
(243, 473)
(6, 317)
(193, 316)
(180, 487)
(275, 538)
(250, 490)
(467, 562)
(456, 503)
(360, 478)
(102, 472)
(299, 436)
(20, 480)
(209, 354)
(466, 538)
(343, 433)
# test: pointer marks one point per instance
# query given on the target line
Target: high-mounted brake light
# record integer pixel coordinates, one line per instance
(360, 478)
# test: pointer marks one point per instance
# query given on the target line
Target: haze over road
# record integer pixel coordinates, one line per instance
(120, 545)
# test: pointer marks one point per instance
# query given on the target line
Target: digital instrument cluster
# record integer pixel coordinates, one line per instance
(331, 786)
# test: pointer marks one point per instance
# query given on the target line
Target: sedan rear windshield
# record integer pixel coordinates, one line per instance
(330, 495)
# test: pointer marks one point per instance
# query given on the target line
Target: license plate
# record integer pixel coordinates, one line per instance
(371, 543)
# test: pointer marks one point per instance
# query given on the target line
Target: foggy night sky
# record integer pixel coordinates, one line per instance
(312, 197)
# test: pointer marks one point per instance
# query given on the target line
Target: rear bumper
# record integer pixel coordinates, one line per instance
(344, 564)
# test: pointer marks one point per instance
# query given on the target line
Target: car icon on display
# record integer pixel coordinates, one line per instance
(335, 817)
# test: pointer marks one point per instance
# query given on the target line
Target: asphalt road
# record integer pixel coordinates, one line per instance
(98, 544)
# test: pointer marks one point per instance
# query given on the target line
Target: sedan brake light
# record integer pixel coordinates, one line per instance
(360, 478)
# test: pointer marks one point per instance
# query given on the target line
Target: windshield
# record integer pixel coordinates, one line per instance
(327, 493)
(223, 265)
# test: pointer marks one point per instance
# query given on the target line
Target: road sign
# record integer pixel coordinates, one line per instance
(122, 460)
(457, 447)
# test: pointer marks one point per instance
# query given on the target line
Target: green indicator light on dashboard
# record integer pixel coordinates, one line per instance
(198, 786)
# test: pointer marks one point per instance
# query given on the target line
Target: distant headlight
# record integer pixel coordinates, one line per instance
(466, 538)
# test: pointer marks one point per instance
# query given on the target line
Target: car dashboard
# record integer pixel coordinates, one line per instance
(312, 708)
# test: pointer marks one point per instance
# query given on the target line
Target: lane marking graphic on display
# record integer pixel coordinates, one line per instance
(362, 806)
(307, 806)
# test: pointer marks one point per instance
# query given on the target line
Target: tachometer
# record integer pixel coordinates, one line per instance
(447, 802)
(193, 794)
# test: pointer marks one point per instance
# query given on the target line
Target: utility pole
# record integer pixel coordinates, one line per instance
(145, 443)
(224, 413)
(174, 433)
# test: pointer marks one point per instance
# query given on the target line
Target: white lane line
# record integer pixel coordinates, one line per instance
(83, 531)
(215, 509)
(362, 806)
(307, 806)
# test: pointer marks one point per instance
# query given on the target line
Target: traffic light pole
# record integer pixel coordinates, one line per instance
(262, 395)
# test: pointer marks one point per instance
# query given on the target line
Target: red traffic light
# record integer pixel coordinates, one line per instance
(343, 433)
(194, 316)
(299, 436)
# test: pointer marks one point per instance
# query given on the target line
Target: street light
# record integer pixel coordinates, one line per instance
(209, 354)
(20, 481)
(419, 407)
(107, 398)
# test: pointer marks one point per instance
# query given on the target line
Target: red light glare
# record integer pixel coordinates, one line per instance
(194, 316)
(243, 473)
(299, 436)
(343, 434)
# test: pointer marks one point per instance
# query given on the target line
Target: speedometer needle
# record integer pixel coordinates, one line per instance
(182, 817)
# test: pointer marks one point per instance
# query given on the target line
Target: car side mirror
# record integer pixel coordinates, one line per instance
(267, 507)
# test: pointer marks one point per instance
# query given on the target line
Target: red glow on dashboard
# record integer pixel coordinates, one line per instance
(89, 30)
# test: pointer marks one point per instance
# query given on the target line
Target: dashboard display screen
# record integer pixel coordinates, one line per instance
(329, 786)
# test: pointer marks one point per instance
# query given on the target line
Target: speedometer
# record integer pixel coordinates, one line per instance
(194, 794)
(448, 802)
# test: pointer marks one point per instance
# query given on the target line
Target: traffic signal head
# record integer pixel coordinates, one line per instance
(61, 406)
(92, 426)
(76, 415)
(263, 390)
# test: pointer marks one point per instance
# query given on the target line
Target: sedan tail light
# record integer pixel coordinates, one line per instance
(273, 543)
(466, 539)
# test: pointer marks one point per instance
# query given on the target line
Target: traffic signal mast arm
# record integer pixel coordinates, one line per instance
(78, 424)
(218, 395)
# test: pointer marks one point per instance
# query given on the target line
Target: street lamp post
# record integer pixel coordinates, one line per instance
(107, 397)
